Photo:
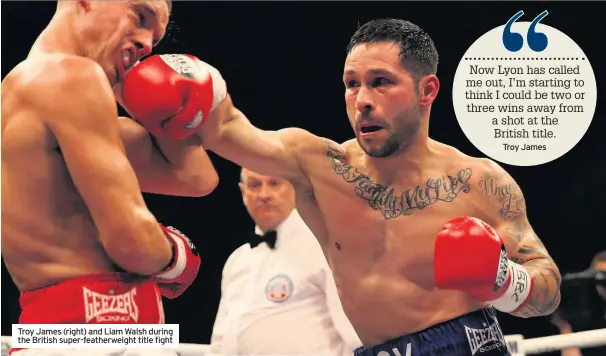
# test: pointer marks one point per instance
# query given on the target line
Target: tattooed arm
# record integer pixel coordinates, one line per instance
(506, 210)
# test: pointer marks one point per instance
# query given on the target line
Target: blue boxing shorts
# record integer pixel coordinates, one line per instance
(476, 333)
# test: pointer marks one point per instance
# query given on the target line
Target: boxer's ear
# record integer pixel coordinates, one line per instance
(429, 86)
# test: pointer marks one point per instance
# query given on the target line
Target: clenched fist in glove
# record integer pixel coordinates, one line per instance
(182, 271)
(470, 256)
(172, 94)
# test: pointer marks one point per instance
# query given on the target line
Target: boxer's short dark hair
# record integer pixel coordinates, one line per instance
(418, 54)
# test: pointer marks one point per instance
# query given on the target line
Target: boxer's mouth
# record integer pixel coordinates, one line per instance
(371, 128)
(128, 59)
(367, 126)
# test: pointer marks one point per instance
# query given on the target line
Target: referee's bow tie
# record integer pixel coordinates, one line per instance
(270, 238)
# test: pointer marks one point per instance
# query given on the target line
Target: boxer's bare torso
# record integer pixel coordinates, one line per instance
(376, 225)
(47, 232)
(72, 173)
(379, 236)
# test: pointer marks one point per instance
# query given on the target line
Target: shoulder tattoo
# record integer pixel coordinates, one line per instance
(505, 195)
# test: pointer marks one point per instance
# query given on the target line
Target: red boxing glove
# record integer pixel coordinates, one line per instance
(172, 94)
(470, 256)
(182, 271)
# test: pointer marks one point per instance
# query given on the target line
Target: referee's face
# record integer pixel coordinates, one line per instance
(269, 200)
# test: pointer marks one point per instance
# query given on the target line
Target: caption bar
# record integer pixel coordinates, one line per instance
(37, 336)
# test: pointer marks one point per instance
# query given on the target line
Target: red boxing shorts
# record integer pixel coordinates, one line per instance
(110, 298)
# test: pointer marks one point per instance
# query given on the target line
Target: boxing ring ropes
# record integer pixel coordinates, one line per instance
(518, 346)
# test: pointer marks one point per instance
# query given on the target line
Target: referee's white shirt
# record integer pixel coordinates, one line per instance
(282, 301)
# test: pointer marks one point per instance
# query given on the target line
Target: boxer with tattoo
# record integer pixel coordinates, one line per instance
(424, 242)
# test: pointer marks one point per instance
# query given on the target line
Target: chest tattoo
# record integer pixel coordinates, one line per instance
(393, 204)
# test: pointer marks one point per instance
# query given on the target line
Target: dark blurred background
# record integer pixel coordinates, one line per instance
(283, 63)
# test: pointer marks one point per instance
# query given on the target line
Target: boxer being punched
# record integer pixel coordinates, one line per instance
(73, 216)
(424, 241)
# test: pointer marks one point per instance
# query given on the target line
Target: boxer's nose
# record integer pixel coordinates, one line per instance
(364, 102)
(143, 44)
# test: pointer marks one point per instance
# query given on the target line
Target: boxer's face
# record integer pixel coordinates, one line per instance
(269, 200)
(117, 34)
(382, 98)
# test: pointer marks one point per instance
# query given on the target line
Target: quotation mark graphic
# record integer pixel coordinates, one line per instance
(514, 41)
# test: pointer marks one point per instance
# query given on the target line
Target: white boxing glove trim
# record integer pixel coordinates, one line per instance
(180, 258)
(518, 290)
(219, 85)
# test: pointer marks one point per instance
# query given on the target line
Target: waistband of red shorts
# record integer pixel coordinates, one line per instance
(124, 277)
(112, 298)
